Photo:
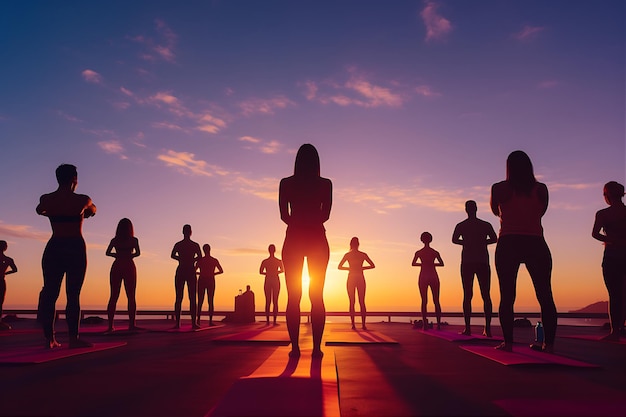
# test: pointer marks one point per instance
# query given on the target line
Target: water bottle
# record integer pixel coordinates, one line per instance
(539, 333)
(240, 293)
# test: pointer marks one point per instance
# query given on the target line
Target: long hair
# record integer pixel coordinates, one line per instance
(519, 172)
(124, 229)
(307, 161)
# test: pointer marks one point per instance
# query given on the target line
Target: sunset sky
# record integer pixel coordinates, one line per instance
(192, 112)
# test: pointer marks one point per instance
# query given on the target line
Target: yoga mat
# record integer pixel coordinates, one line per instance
(535, 407)
(595, 338)
(267, 335)
(186, 329)
(524, 355)
(284, 386)
(357, 337)
(454, 336)
(41, 354)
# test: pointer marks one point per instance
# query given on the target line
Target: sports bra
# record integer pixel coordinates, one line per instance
(66, 219)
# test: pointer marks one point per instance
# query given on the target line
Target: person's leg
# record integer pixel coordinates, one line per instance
(130, 286)
(423, 287)
(361, 290)
(483, 273)
(202, 288)
(539, 265)
(293, 261)
(435, 287)
(115, 281)
(53, 271)
(3, 291)
(467, 280)
(211, 298)
(74, 278)
(192, 289)
(507, 266)
(267, 289)
(179, 286)
(614, 285)
(317, 261)
(275, 293)
(351, 287)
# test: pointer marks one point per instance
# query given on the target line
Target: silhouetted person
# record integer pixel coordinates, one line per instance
(356, 279)
(521, 201)
(610, 227)
(65, 253)
(305, 200)
(209, 268)
(271, 267)
(186, 252)
(7, 266)
(430, 259)
(126, 247)
(474, 235)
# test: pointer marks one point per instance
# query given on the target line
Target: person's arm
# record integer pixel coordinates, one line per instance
(415, 258)
(175, 254)
(343, 261)
(598, 225)
(219, 268)
(492, 237)
(281, 267)
(327, 202)
(283, 201)
(90, 208)
(456, 236)
(369, 261)
(109, 251)
(263, 268)
(11, 265)
(543, 197)
(438, 258)
(136, 247)
(494, 202)
(41, 207)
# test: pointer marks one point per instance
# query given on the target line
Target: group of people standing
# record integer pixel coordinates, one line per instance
(305, 201)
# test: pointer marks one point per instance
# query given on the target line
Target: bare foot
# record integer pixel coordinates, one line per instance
(466, 332)
(364, 327)
(487, 332)
(507, 347)
(52, 343)
(76, 343)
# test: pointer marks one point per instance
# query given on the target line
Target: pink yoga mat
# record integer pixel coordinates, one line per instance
(40, 354)
(357, 337)
(524, 355)
(269, 335)
(596, 338)
(454, 336)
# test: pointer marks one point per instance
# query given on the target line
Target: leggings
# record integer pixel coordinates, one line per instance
(62, 256)
(614, 273)
(123, 270)
(511, 252)
(483, 274)
(206, 284)
(185, 275)
(272, 289)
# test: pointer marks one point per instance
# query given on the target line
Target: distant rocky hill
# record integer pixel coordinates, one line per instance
(599, 307)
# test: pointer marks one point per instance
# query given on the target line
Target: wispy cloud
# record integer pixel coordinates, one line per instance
(265, 188)
(113, 147)
(357, 90)
(22, 231)
(187, 163)
(69, 117)
(167, 125)
(528, 33)
(263, 146)
(426, 91)
(91, 76)
(264, 106)
(437, 26)
(161, 48)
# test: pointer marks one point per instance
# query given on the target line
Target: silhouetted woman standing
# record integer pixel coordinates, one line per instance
(126, 247)
(271, 267)
(356, 278)
(305, 200)
(611, 221)
(521, 201)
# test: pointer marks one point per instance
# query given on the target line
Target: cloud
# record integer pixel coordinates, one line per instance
(69, 117)
(437, 26)
(127, 92)
(112, 147)
(91, 76)
(528, 33)
(187, 163)
(265, 188)
(165, 97)
(264, 106)
(167, 125)
(22, 231)
(163, 48)
(426, 91)
(266, 147)
(357, 90)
